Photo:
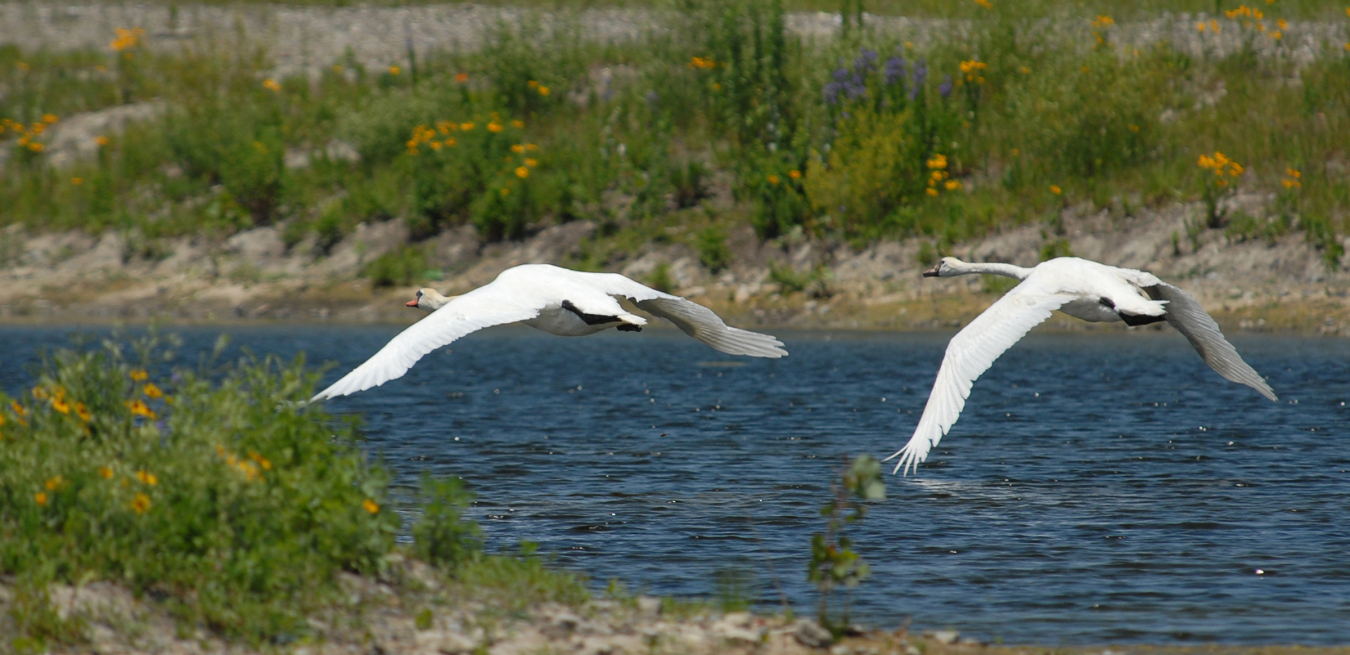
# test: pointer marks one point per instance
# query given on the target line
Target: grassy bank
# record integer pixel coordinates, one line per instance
(213, 492)
(1004, 121)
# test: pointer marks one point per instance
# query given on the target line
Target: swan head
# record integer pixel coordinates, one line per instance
(429, 300)
(946, 267)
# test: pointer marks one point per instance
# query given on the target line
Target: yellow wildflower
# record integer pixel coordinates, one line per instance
(272, 85)
(522, 172)
(505, 192)
(1200, 26)
(101, 141)
(139, 408)
(1282, 24)
(147, 477)
(249, 470)
(1055, 189)
(450, 143)
(531, 162)
(1292, 173)
(517, 148)
(40, 393)
(49, 118)
(494, 127)
(795, 174)
(53, 483)
(60, 406)
(138, 375)
(461, 77)
(938, 162)
(931, 191)
(140, 503)
(18, 409)
(36, 147)
(82, 412)
(532, 84)
(395, 70)
(127, 39)
(1214, 26)
(77, 181)
(531, 147)
(40, 497)
(152, 391)
(953, 185)
(518, 124)
(105, 472)
(337, 68)
(466, 126)
(262, 461)
(370, 506)
(543, 91)
(985, 4)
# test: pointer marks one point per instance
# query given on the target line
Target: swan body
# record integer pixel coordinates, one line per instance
(556, 300)
(1080, 288)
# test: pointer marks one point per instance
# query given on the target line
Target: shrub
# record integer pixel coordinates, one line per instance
(401, 266)
(215, 489)
(712, 249)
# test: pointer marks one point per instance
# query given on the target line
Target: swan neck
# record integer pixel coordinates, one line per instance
(1006, 270)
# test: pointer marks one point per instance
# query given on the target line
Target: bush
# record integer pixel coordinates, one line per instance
(217, 490)
(401, 266)
(712, 249)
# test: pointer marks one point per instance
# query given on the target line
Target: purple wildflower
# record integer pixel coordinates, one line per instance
(945, 89)
(894, 71)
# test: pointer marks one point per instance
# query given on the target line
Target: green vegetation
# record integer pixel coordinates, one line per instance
(860, 138)
(834, 563)
(216, 492)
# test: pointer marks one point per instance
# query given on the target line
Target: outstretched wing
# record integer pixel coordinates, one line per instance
(692, 318)
(969, 354)
(1186, 315)
(483, 307)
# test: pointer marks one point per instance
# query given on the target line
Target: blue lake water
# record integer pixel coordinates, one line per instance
(1098, 488)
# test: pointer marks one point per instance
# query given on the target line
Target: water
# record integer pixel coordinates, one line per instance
(1098, 488)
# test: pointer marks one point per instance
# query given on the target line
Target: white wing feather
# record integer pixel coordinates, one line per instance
(692, 318)
(481, 308)
(969, 354)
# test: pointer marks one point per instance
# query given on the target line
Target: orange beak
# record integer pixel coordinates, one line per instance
(412, 303)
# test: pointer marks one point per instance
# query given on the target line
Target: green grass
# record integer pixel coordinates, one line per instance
(813, 139)
(217, 493)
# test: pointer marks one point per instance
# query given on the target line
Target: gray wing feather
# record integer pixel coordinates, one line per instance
(692, 318)
(1190, 319)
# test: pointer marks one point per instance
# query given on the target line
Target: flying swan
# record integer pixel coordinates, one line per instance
(1080, 288)
(556, 300)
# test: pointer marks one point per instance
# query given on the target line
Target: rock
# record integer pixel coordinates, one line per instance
(944, 636)
(969, 641)
(450, 642)
(738, 628)
(649, 605)
(812, 634)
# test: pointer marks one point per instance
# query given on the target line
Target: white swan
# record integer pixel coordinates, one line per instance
(555, 300)
(1080, 288)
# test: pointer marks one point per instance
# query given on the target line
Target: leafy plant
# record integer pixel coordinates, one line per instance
(440, 535)
(401, 266)
(712, 249)
(834, 563)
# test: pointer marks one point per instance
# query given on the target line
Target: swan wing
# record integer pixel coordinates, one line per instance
(483, 307)
(969, 354)
(1190, 319)
(692, 318)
